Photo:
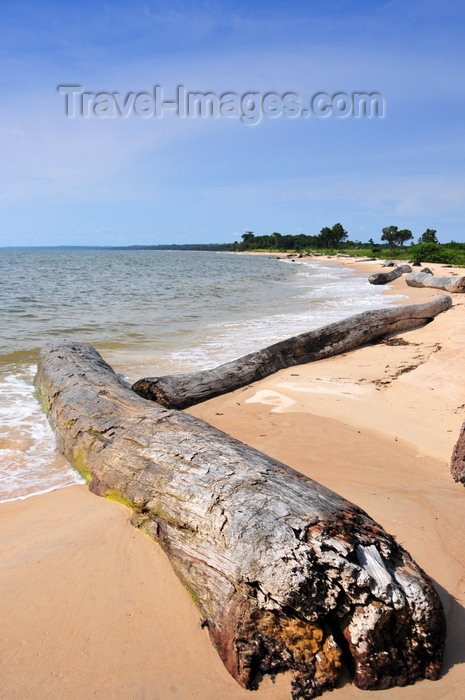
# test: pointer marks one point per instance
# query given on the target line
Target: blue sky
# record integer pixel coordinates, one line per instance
(100, 181)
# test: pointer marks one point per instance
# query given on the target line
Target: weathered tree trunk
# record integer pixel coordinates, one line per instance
(457, 465)
(385, 277)
(425, 279)
(183, 390)
(287, 574)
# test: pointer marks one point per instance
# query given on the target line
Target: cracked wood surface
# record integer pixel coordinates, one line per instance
(457, 465)
(184, 390)
(286, 573)
(426, 279)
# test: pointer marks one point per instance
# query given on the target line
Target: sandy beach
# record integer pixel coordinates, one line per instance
(91, 608)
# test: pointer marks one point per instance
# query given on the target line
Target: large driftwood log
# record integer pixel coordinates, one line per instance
(457, 465)
(287, 574)
(385, 277)
(183, 390)
(425, 279)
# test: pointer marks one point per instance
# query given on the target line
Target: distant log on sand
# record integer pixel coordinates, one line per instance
(385, 277)
(286, 573)
(425, 279)
(457, 465)
(183, 390)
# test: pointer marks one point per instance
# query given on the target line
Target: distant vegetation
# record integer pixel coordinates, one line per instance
(332, 241)
(327, 238)
(336, 240)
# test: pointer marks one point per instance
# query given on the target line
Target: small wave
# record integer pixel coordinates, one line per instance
(326, 303)
(29, 461)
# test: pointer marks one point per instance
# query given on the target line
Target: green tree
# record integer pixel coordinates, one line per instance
(287, 242)
(389, 235)
(325, 237)
(403, 235)
(331, 237)
(429, 236)
(276, 240)
(301, 241)
(338, 234)
(247, 241)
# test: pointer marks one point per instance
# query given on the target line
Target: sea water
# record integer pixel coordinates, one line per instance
(148, 313)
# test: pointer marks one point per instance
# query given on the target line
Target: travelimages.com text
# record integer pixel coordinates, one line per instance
(249, 107)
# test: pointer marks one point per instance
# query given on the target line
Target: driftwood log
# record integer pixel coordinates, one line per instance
(385, 277)
(286, 573)
(425, 279)
(183, 390)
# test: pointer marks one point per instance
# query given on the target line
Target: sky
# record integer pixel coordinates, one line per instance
(154, 178)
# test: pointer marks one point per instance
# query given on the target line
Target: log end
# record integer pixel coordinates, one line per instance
(160, 389)
(150, 388)
(253, 642)
(381, 646)
(378, 278)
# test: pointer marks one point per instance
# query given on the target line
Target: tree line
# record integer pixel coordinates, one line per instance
(332, 239)
(328, 238)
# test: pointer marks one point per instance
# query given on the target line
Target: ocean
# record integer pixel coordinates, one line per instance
(147, 313)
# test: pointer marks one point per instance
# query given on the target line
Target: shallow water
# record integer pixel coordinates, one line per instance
(147, 312)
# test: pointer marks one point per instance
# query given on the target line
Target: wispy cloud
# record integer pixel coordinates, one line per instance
(172, 177)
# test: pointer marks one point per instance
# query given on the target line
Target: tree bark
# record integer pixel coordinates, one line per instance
(286, 573)
(183, 390)
(385, 277)
(425, 279)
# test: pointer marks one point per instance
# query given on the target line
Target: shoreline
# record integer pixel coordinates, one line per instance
(91, 607)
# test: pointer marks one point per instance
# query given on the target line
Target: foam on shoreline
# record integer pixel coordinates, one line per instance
(30, 463)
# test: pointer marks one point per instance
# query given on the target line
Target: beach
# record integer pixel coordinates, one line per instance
(91, 608)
